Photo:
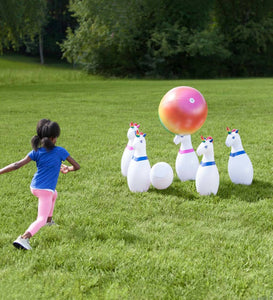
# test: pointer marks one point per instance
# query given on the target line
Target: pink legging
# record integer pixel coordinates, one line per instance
(45, 208)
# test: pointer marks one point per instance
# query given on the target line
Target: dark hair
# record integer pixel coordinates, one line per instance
(45, 130)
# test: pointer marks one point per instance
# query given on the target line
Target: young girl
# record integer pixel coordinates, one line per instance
(48, 160)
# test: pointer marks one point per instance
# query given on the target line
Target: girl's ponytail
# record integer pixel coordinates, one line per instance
(35, 142)
(47, 143)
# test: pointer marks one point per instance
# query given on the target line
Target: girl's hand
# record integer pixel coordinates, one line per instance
(64, 169)
(75, 166)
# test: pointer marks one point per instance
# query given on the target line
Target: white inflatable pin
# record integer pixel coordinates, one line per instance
(138, 176)
(240, 168)
(207, 176)
(187, 162)
(128, 152)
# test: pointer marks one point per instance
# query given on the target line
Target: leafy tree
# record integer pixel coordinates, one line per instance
(248, 30)
(11, 21)
(141, 36)
(20, 20)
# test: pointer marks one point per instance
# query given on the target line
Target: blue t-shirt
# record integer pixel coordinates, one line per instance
(48, 167)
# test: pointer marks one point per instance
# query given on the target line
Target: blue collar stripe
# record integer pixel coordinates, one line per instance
(140, 158)
(208, 163)
(237, 153)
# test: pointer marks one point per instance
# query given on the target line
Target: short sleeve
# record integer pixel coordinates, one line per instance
(32, 154)
(64, 154)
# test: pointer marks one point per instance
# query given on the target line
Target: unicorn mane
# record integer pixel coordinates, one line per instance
(233, 130)
(209, 138)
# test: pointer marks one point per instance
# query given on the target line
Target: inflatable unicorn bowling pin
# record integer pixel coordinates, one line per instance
(129, 150)
(138, 176)
(240, 168)
(207, 176)
(186, 163)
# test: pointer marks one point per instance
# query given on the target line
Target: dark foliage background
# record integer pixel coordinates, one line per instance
(136, 38)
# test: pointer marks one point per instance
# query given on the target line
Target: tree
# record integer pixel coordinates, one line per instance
(11, 21)
(248, 30)
(140, 36)
(20, 20)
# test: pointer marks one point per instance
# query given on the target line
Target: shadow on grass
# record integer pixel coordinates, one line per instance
(35, 61)
(177, 192)
(185, 190)
(257, 191)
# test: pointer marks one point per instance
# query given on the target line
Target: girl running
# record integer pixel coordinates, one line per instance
(48, 158)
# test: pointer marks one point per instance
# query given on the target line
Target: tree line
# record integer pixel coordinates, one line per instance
(156, 38)
(34, 27)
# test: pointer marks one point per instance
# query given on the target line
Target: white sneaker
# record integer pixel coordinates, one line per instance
(21, 243)
(51, 223)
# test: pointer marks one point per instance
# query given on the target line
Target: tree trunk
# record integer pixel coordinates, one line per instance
(41, 48)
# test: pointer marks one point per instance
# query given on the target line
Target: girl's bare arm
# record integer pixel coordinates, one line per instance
(75, 166)
(16, 165)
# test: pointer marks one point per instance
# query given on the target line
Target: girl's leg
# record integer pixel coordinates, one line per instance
(55, 195)
(44, 208)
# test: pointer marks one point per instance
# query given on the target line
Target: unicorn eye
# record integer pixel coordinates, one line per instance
(233, 137)
(206, 146)
(141, 141)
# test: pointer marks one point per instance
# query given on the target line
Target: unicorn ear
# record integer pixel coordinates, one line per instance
(210, 139)
(237, 130)
(144, 134)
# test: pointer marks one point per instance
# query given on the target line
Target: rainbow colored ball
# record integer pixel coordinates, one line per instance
(183, 110)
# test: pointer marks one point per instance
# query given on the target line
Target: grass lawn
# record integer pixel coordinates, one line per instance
(114, 244)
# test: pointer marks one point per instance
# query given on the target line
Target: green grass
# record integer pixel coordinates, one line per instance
(114, 244)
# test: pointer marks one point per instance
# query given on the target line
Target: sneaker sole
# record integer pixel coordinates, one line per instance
(19, 246)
